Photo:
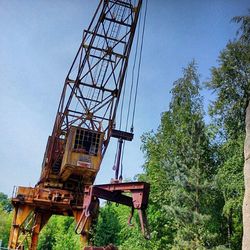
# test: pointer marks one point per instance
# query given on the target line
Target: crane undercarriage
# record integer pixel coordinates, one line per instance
(34, 207)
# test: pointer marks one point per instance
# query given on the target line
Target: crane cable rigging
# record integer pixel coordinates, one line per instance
(141, 41)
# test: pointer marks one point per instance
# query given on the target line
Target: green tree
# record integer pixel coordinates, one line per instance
(112, 228)
(130, 236)
(184, 211)
(5, 223)
(231, 83)
(230, 183)
(108, 227)
(159, 172)
(244, 30)
(5, 202)
(47, 235)
(59, 234)
(65, 237)
(193, 197)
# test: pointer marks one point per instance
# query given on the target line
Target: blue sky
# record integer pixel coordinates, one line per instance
(38, 42)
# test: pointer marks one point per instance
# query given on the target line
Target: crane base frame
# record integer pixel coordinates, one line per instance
(116, 192)
(33, 207)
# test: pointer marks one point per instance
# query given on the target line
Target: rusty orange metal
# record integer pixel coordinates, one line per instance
(84, 124)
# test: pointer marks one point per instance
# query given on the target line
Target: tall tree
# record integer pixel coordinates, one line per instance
(231, 82)
(179, 165)
(159, 172)
(192, 189)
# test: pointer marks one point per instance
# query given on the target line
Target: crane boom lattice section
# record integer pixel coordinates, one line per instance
(94, 83)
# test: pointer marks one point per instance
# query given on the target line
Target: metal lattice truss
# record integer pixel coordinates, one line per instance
(94, 83)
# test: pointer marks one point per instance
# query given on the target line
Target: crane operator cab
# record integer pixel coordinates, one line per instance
(82, 154)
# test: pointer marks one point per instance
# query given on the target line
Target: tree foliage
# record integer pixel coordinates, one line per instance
(59, 234)
(5, 223)
(185, 160)
(107, 230)
(5, 202)
(244, 30)
(231, 83)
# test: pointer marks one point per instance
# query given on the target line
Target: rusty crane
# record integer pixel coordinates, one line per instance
(84, 124)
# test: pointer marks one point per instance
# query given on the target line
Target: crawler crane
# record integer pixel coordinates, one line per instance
(84, 124)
